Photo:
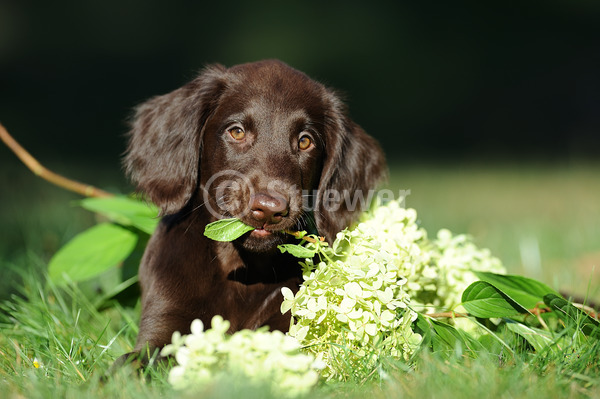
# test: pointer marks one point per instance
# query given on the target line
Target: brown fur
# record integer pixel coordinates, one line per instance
(179, 142)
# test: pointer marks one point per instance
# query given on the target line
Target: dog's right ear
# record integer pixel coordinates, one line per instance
(165, 139)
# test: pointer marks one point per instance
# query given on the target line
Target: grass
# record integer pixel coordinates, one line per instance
(543, 221)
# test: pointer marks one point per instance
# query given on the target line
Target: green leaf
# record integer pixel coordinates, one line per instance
(424, 326)
(442, 337)
(92, 252)
(125, 211)
(226, 229)
(297, 250)
(525, 291)
(539, 339)
(573, 316)
(453, 337)
(482, 299)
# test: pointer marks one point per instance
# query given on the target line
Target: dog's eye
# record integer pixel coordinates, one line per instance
(237, 132)
(304, 142)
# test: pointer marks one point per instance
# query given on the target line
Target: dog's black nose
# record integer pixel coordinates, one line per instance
(267, 209)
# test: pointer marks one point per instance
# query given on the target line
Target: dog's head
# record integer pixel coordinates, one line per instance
(261, 142)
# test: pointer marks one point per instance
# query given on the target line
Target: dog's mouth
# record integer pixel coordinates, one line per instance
(260, 232)
(266, 229)
(262, 240)
(267, 237)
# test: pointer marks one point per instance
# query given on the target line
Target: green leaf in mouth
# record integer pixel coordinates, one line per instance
(226, 229)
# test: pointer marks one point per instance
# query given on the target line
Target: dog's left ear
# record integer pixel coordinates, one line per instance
(354, 166)
(165, 140)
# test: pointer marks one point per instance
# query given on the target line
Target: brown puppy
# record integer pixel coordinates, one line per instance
(261, 142)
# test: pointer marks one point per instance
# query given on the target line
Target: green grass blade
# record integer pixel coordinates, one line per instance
(572, 316)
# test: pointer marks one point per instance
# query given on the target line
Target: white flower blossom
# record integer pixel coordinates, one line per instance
(265, 358)
(371, 282)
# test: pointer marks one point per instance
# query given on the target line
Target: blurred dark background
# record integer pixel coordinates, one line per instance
(438, 83)
(429, 79)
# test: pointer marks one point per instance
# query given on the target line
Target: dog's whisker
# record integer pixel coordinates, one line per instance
(194, 209)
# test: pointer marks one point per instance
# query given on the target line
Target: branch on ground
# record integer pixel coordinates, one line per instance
(39, 170)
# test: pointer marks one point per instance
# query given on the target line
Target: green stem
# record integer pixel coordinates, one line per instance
(305, 238)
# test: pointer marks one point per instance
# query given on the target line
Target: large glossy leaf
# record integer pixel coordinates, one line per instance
(125, 211)
(482, 299)
(525, 291)
(92, 252)
(226, 229)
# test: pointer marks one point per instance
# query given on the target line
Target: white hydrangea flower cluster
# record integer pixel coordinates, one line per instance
(353, 302)
(362, 296)
(456, 257)
(439, 269)
(261, 357)
(396, 228)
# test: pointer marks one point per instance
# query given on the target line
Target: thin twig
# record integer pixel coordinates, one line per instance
(48, 175)
(446, 315)
(537, 312)
(305, 238)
